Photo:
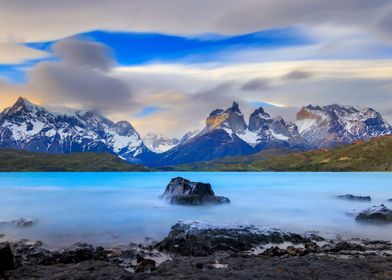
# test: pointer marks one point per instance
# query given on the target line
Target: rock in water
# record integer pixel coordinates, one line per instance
(7, 260)
(354, 197)
(183, 191)
(376, 214)
(23, 222)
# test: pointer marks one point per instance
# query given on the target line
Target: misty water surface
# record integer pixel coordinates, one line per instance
(110, 208)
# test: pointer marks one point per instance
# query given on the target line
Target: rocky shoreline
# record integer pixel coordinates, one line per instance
(202, 251)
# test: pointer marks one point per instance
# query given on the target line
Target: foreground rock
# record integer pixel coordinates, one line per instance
(185, 192)
(354, 197)
(7, 260)
(380, 214)
(308, 267)
(205, 251)
(195, 239)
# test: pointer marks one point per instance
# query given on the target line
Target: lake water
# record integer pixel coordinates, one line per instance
(110, 208)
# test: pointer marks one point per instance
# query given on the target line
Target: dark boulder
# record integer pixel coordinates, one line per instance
(354, 197)
(7, 260)
(380, 214)
(184, 192)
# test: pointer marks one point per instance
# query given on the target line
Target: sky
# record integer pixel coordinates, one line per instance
(165, 65)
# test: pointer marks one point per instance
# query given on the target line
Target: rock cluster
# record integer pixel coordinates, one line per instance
(354, 197)
(192, 239)
(185, 192)
(203, 251)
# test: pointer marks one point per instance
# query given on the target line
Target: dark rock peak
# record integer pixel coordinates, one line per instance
(22, 104)
(259, 112)
(216, 112)
(259, 120)
(311, 107)
(231, 118)
(124, 128)
(234, 108)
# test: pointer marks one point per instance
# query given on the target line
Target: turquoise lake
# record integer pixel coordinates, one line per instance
(111, 208)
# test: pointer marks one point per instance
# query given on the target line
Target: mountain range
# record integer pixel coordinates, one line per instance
(32, 127)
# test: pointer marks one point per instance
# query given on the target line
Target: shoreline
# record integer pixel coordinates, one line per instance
(205, 251)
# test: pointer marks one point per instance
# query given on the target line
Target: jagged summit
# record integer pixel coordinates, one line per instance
(27, 126)
(226, 134)
(230, 119)
(327, 126)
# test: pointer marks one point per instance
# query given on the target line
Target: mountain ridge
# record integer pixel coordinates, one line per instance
(31, 127)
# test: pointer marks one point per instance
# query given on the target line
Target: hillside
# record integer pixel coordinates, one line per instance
(373, 155)
(18, 160)
(237, 163)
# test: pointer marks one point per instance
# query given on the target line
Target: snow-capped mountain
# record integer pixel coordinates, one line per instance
(335, 124)
(31, 127)
(264, 131)
(158, 143)
(227, 134)
(189, 135)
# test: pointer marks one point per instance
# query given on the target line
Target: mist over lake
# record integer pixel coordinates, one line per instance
(109, 208)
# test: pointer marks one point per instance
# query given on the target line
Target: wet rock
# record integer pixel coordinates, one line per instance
(274, 251)
(184, 192)
(354, 197)
(23, 222)
(379, 214)
(80, 252)
(87, 270)
(145, 265)
(347, 246)
(195, 239)
(7, 260)
(311, 247)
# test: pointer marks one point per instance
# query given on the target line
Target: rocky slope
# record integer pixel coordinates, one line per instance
(335, 124)
(34, 128)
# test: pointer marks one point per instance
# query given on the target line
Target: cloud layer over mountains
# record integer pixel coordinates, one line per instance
(341, 53)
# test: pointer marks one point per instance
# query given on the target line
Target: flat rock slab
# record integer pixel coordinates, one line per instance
(355, 197)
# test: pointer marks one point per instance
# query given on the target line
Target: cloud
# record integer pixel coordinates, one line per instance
(84, 54)
(256, 84)
(80, 78)
(16, 54)
(45, 20)
(362, 82)
(297, 75)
